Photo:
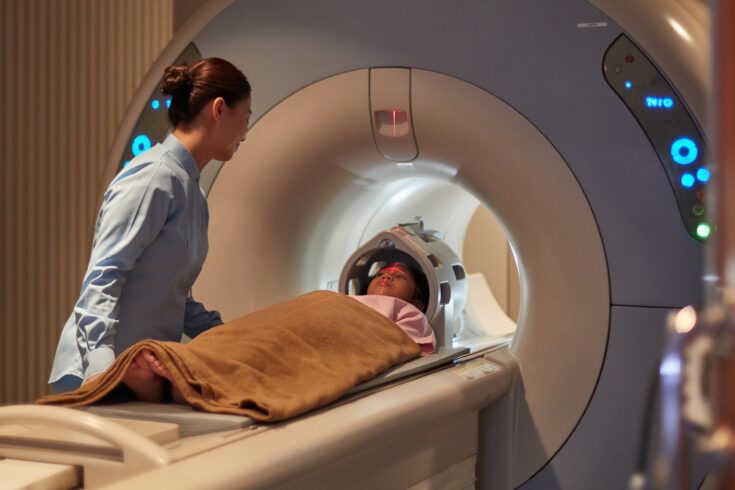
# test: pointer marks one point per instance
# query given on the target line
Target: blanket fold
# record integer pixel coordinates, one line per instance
(271, 364)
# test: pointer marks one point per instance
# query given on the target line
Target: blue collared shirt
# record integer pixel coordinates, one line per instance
(150, 242)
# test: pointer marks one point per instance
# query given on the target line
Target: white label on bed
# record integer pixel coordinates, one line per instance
(476, 369)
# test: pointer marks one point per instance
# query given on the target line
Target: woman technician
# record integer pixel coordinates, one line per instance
(150, 239)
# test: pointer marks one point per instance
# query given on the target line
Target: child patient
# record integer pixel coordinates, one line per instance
(393, 292)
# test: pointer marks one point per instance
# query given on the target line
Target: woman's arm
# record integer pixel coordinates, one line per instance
(133, 212)
(198, 319)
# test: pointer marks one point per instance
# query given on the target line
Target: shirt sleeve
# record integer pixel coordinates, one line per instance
(198, 319)
(132, 215)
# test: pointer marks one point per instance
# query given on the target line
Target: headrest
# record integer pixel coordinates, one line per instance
(424, 251)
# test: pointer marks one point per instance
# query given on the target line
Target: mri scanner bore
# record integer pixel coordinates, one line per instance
(490, 316)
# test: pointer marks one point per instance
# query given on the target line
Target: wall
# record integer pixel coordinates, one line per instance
(69, 70)
(487, 251)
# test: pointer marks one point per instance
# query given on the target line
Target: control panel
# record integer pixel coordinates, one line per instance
(669, 126)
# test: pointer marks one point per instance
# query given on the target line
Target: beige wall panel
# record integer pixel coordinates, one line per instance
(487, 251)
(69, 71)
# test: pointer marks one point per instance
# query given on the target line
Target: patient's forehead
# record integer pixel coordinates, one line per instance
(397, 266)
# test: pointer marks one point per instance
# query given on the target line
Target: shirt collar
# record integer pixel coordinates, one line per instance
(182, 155)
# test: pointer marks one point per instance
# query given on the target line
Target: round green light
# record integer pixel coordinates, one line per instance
(703, 230)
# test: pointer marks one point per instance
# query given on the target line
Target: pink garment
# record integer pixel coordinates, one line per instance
(406, 315)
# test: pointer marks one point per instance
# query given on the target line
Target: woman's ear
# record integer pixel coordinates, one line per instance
(218, 105)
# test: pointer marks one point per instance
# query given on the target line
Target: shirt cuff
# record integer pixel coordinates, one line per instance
(98, 360)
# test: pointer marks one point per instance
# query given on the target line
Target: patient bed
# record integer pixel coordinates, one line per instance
(109, 443)
(417, 421)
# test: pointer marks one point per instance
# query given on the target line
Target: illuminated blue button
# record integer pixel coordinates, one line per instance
(168, 103)
(684, 151)
(687, 180)
(703, 174)
(155, 104)
(628, 84)
(140, 144)
(668, 103)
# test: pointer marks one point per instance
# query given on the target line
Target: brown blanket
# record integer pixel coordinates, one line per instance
(271, 364)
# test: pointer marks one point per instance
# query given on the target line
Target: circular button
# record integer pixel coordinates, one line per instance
(684, 151)
(698, 210)
(703, 230)
(703, 174)
(140, 144)
(688, 180)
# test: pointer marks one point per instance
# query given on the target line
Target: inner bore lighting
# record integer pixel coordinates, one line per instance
(392, 123)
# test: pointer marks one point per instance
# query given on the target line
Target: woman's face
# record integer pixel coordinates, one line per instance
(394, 280)
(234, 125)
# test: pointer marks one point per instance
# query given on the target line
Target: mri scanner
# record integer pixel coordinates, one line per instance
(580, 124)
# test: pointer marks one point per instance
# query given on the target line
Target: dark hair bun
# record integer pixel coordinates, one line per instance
(177, 81)
(192, 87)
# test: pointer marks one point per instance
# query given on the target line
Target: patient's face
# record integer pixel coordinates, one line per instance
(394, 280)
